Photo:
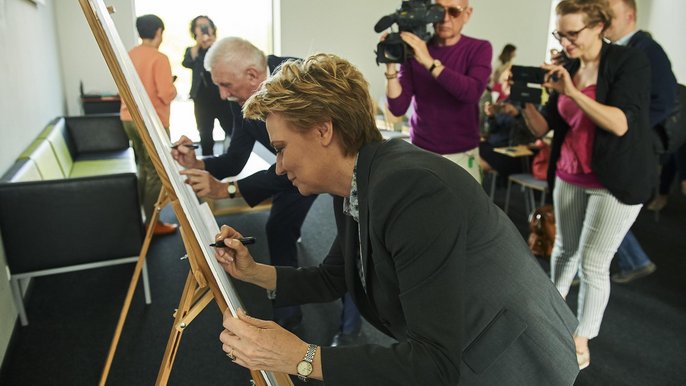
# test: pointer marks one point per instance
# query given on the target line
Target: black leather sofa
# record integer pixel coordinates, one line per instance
(70, 202)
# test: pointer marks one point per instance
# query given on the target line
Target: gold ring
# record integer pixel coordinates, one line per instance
(231, 356)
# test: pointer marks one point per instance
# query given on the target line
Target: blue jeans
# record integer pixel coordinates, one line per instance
(630, 255)
(351, 321)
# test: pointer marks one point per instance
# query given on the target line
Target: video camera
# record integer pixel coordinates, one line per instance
(413, 16)
(523, 77)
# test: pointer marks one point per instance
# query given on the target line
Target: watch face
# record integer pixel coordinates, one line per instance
(304, 368)
(232, 188)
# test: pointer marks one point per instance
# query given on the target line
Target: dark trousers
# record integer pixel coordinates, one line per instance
(207, 109)
(674, 165)
(286, 217)
(351, 320)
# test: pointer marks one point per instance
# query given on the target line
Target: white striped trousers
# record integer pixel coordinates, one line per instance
(591, 224)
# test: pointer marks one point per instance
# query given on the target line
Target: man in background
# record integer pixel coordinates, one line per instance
(633, 261)
(154, 71)
(238, 68)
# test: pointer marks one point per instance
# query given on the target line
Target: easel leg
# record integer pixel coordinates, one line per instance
(189, 294)
(161, 202)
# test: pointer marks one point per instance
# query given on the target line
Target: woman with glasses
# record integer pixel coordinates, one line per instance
(602, 165)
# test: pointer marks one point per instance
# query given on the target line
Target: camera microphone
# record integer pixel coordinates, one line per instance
(384, 23)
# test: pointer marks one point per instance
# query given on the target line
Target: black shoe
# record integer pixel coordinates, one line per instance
(342, 339)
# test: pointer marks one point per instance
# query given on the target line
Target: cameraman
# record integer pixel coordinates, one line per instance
(207, 104)
(446, 78)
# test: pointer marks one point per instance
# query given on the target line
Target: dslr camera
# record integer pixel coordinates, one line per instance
(412, 16)
(526, 81)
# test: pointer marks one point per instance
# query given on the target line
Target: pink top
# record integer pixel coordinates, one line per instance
(498, 87)
(574, 164)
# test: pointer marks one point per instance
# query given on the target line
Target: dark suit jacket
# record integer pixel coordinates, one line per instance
(261, 185)
(201, 80)
(447, 275)
(625, 165)
(662, 80)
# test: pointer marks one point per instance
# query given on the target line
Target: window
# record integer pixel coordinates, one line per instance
(251, 20)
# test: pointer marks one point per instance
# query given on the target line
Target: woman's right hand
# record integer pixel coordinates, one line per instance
(234, 257)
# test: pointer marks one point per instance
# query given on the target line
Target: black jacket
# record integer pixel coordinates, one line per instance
(261, 185)
(625, 165)
(662, 80)
(446, 274)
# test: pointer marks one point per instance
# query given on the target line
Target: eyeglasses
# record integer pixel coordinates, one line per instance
(454, 12)
(571, 36)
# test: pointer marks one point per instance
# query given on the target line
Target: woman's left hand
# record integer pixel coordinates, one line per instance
(557, 78)
(261, 344)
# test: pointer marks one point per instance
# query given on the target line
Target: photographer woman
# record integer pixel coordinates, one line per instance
(207, 103)
(602, 165)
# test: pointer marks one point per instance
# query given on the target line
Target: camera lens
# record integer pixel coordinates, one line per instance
(394, 53)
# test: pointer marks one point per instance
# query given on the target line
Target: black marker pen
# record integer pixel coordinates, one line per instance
(188, 145)
(244, 240)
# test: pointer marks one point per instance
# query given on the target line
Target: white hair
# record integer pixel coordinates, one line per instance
(236, 52)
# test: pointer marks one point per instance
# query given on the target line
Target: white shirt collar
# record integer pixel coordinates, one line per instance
(624, 40)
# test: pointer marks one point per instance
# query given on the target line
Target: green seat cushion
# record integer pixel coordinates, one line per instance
(46, 161)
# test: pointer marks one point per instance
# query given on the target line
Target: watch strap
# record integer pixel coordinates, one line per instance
(231, 189)
(309, 357)
(434, 64)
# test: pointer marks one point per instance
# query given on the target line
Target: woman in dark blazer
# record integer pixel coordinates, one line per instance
(427, 258)
(602, 165)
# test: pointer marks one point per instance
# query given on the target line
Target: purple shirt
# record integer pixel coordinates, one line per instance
(446, 109)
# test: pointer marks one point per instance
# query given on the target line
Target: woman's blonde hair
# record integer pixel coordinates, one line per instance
(312, 91)
(594, 11)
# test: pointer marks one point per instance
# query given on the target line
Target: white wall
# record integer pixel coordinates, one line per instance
(80, 56)
(665, 20)
(522, 23)
(30, 96)
(346, 29)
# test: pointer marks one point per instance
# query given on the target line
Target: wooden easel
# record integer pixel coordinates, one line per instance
(162, 200)
(203, 282)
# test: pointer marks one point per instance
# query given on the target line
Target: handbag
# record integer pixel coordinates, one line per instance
(539, 164)
(542, 231)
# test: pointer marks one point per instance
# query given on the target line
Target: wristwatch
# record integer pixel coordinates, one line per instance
(436, 63)
(305, 366)
(231, 189)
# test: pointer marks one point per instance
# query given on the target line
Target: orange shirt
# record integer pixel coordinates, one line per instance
(154, 70)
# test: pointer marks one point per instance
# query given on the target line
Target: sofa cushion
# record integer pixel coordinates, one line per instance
(46, 161)
(59, 141)
(23, 170)
(94, 134)
(112, 162)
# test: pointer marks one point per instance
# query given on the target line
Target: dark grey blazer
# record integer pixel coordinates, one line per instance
(447, 275)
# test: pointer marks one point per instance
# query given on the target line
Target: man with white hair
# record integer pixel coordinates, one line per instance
(238, 68)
